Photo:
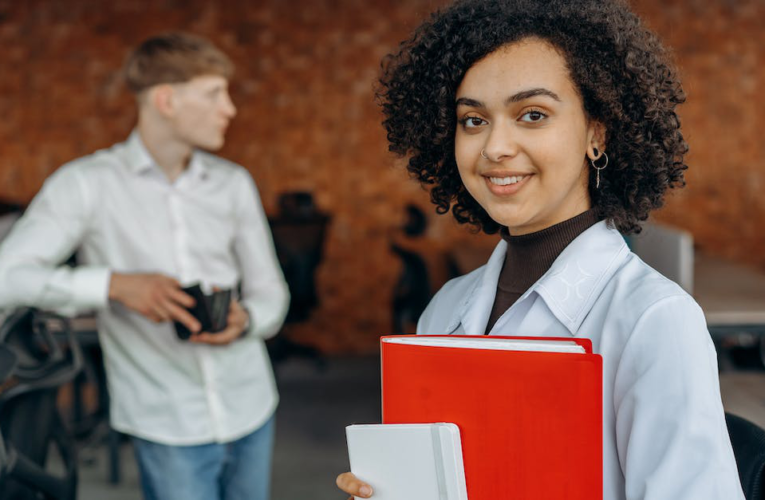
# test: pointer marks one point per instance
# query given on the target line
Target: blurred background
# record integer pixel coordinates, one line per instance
(309, 131)
(307, 120)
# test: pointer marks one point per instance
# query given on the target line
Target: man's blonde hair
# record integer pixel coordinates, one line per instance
(174, 58)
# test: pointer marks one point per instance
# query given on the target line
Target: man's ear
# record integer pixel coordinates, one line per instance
(596, 139)
(162, 99)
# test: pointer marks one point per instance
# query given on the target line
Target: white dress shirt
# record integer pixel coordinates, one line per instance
(119, 209)
(664, 432)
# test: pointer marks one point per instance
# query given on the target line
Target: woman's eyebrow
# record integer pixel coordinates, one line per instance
(517, 97)
(466, 101)
(526, 94)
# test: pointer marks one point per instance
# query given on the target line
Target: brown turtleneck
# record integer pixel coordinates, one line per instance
(530, 256)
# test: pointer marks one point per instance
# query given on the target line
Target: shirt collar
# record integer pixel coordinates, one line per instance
(137, 157)
(579, 274)
(139, 160)
(569, 287)
(197, 167)
(474, 312)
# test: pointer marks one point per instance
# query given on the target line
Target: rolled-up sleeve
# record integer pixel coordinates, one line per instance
(671, 433)
(264, 290)
(48, 233)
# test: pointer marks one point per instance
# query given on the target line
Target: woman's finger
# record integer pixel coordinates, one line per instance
(353, 486)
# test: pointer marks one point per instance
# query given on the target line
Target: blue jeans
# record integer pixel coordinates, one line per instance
(239, 470)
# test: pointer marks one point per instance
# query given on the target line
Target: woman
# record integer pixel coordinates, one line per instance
(554, 123)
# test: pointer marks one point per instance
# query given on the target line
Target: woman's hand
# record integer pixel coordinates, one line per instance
(353, 486)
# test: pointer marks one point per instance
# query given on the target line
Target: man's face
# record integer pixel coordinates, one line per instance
(202, 111)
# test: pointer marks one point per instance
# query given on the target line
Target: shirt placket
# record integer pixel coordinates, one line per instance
(186, 271)
(180, 237)
(214, 403)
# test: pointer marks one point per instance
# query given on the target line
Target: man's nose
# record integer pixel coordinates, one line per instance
(228, 107)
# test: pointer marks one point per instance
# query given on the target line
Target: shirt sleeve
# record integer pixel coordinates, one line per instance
(264, 290)
(671, 434)
(48, 233)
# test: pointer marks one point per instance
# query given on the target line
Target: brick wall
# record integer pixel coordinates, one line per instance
(307, 121)
(720, 48)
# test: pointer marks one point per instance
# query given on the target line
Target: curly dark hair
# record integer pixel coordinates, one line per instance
(620, 68)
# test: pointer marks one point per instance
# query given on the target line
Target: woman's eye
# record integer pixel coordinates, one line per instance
(533, 116)
(472, 122)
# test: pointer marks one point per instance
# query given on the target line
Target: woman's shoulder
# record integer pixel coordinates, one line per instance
(654, 308)
(643, 286)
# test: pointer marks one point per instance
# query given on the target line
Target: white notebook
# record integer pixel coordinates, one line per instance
(408, 461)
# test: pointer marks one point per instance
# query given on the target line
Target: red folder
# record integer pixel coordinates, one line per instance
(531, 422)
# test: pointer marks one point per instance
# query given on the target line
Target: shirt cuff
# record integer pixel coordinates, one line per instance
(248, 325)
(91, 287)
(266, 317)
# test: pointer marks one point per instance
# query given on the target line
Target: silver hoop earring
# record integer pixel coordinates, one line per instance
(597, 168)
(483, 154)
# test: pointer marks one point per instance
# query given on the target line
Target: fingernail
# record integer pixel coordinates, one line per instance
(365, 491)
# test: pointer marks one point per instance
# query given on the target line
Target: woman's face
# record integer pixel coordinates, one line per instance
(520, 108)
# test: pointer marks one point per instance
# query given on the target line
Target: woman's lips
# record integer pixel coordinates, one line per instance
(506, 184)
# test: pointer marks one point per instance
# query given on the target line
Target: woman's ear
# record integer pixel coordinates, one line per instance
(596, 140)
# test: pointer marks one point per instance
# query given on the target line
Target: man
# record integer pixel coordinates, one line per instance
(149, 216)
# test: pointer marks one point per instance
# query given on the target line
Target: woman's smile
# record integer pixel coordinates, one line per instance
(506, 184)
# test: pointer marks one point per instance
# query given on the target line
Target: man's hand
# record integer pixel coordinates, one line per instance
(155, 296)
(353, 486)
(236, 321)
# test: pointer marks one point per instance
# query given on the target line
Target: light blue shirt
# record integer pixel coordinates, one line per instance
(664, 431)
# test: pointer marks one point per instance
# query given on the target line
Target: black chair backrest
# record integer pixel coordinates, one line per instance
(8, 361)
(411, 293)
(297, 205)
(299, 245)
(748, 442)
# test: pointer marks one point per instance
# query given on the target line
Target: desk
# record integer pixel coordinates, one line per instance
(84, 327)
(731, 295)
(733, 299)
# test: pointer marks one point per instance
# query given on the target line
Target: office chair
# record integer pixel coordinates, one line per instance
(33, 367)
(299, 231)
(748, 442)
(412, 291)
